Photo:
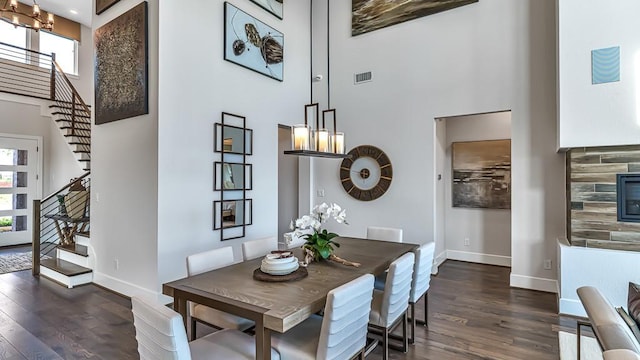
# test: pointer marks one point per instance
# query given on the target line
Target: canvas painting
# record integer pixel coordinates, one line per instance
(369, 15)
(103, 5)
(121, 74)
(252, 44)
(272, 6)
(481, 174)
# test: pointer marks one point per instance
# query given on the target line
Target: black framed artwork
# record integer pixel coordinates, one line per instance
(121, 67)
(252, 44)
(275, 7)
(103, 5)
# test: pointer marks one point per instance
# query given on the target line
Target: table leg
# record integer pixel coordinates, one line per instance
(180, 306)
(263, 342)
(59, 231)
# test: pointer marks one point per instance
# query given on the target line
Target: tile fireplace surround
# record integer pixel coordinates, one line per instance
(592, 195)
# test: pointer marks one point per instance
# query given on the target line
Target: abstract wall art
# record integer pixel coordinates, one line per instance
(481, 174)
(272, 6)
(103, 5)
(121, 71)
(369, 15)
(252, 44)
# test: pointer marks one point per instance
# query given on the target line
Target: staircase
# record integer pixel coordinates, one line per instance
(61, 235)
(71, 265)
(75, 126)
(30, 73)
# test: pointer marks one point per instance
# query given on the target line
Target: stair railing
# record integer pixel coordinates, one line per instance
(65, 95)
(58, 218)
(26, 72)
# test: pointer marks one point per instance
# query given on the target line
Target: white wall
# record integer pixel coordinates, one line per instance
(608, 270)
(124, 207)
(83, 82)
(488, 230)
(496, 55)
(196, 85)
(25, 116)
(603, 114)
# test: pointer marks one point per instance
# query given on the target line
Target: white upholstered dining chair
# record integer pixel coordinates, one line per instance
(203, 262)
(161, 334)
(254, 249)
(340, 334)
(420, 284)
(384, 233)
(389, 307)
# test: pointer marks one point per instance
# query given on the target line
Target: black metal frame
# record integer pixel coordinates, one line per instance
(247, 204)
(247, 168)
(621, 181)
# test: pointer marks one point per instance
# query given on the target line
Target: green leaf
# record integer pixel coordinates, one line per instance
(325, 252)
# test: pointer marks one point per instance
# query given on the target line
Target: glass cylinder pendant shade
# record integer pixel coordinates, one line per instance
(300, 137)
(322, 141)
(338, 143)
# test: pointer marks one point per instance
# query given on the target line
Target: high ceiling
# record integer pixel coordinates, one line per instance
(63, 8)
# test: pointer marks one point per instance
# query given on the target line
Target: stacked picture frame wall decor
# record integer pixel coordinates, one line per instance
(233, 176)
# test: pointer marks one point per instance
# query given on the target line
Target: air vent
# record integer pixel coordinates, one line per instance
(362, 77)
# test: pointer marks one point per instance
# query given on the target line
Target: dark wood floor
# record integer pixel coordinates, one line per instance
(473, 315)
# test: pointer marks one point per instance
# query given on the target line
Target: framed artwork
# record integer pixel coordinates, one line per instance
(369, 15)
(481, 174)
(272, 6)
(103, 5)
(121, 71)
(252, 44)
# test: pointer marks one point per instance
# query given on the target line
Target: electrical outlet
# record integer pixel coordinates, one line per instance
(116, 264)
(547, 264)
(466, 242)
(320, 192)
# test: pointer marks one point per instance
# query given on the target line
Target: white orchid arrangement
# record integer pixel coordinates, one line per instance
(319, 242)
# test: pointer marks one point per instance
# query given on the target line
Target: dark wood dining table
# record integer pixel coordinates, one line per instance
(279, 306)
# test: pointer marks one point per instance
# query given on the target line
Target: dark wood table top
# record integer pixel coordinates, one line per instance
(286, 304)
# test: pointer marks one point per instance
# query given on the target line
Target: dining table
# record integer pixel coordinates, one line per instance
(280, 306)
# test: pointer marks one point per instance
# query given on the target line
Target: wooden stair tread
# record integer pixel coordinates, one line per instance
(64, 267)
(83, 233)
(79, 135)
(76, 249)
(67, 113)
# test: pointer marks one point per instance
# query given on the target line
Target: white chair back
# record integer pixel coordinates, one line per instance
(384, 233)
(160, 332)
(209, 260)
(396, 289)
(253, 249)
(346, 315)
(422, 271)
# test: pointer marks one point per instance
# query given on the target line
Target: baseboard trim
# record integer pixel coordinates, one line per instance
(571, 307)
(489, 259)
(128, 289)
(441, 258)
(534, 283)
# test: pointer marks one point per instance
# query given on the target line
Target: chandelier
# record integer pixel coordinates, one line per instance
(319, 141)
(16, 12)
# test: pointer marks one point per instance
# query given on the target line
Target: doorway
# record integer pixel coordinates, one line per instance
(473, 233)
(20, 165)
(287, 182)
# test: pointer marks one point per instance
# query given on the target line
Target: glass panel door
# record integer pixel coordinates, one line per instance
(18, 180)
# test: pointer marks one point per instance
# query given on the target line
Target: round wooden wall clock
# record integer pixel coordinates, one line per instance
(367, 174)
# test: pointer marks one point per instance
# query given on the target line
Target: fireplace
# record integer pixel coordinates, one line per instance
(628, 189)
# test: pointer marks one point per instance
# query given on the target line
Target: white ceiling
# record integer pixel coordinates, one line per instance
(64, 7)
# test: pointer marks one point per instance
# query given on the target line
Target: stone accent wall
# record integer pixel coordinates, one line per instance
(592, 196)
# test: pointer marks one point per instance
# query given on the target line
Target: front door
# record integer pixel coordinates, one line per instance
(18, 188)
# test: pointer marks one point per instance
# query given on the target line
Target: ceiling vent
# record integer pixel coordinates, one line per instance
(362, 77)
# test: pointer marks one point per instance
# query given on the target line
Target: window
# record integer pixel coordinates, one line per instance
(16, 36)
(66, 51)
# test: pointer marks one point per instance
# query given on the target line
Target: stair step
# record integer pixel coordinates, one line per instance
(64, 267)
(65, 273)
(76, 249)
(81, 141)
(64, 103)
(67, 124)
(79, 136)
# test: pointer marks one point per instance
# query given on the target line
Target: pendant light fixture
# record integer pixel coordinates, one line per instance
(14, 15)
(317, 141)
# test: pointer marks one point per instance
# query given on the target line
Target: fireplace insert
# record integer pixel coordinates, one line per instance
(628, 189)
